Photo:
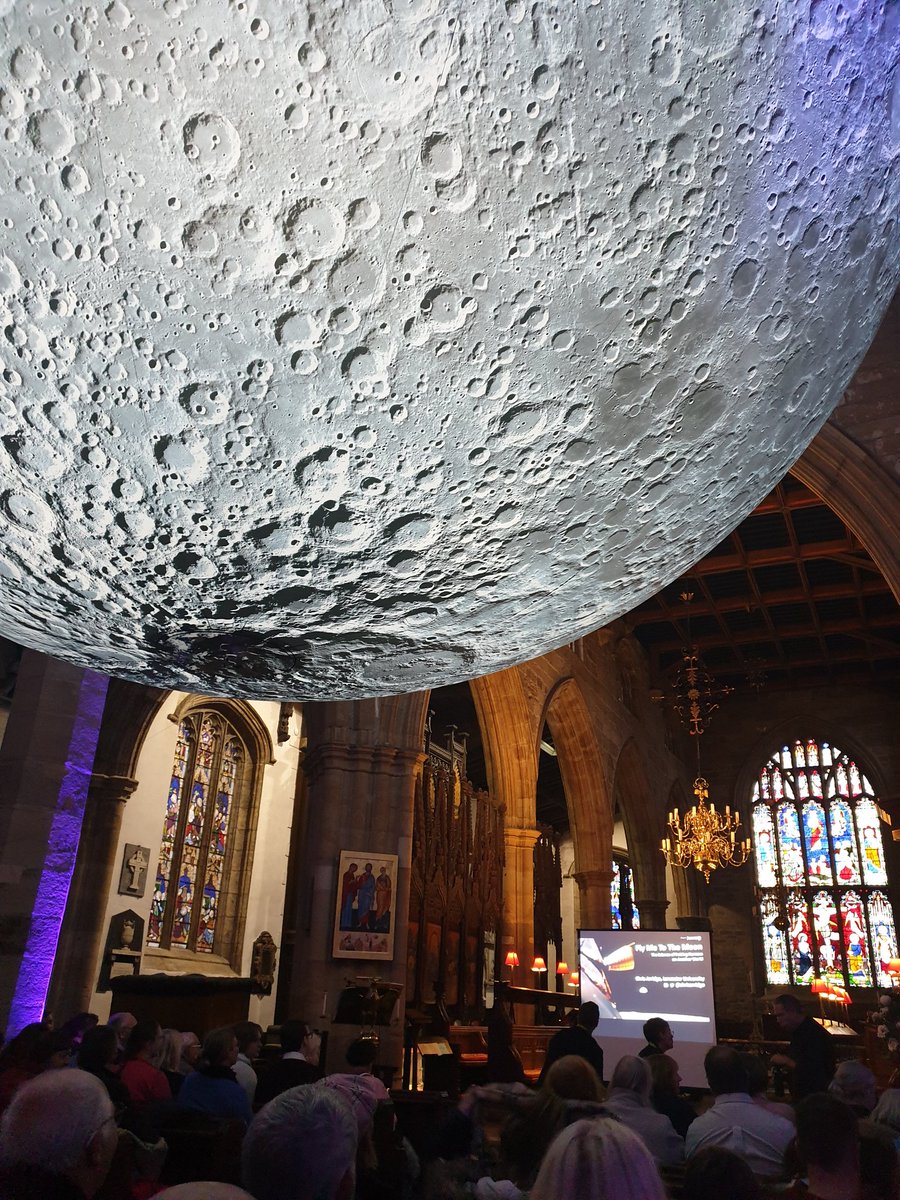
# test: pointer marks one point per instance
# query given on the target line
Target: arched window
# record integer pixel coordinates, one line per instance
(624, 911)
(821, 870)
(211, 772)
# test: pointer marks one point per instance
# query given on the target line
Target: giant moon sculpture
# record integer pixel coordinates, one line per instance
(355, 346)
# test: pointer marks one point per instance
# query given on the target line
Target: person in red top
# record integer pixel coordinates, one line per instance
(145, 1083)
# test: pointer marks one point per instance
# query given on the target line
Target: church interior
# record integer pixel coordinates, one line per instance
(451, 502)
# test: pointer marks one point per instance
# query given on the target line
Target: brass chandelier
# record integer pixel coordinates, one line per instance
(703, 838)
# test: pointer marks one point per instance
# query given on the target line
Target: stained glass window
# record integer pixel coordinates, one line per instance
(206, 775)
(621, 893)
(820, 868)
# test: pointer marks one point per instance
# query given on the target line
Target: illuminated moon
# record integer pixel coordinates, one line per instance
(352, 348)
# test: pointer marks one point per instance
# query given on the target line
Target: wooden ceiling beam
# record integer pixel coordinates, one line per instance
(831, 591)
(848, 626)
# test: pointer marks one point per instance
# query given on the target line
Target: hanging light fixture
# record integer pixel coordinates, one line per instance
(704, 838)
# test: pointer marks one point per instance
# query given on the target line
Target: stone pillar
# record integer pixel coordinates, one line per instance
(653, 913)
(594, 897)
(45, 769)
(518, 901)
(83, 932)
(359, 797)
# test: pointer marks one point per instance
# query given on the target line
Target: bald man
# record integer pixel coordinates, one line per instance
(57, 1138)
(202, 1190)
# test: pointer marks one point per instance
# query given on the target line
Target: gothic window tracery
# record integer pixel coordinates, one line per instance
(820, 869)
(210, 772)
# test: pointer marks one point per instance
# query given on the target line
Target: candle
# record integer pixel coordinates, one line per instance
(324, 1004)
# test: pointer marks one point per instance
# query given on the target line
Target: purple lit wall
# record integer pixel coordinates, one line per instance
(59, 863)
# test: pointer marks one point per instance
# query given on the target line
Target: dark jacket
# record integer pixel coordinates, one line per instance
(576, 1040)
(277, 1077)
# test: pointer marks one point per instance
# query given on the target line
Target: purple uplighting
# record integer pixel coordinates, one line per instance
(59, 863)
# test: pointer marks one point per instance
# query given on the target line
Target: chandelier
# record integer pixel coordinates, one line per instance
(705, 838)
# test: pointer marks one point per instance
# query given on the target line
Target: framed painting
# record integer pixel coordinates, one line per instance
(364, 906)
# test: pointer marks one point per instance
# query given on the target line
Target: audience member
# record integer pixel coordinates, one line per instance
(190, 1053)
(810, 1056)
(213, 1088)
(716, 1173)
(827, 1149)
(34, 1049)
(358, 1087)
(75, 1029)
(887, 1113)
(629, 1100)
(854, 1083)
(145, 1082)
(878, 1168)
(301, 1146)
(203, 1190)
(98, 1055)
(168, 1058)
(249, 1038)
(57, 1138)
(122, 1023)
(664, 1095)
(578, 1039)
(299, 1062)
(735, 1122)
(757, 1086)
(598, 1160)
(658, 1036)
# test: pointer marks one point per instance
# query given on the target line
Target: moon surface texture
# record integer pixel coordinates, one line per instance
(350, 348)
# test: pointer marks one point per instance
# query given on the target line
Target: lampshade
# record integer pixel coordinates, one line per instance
(512, 959)
(323, 370)
(893, 966)
(539, 965)
(818, 986)
(574, 979)
(562, 968)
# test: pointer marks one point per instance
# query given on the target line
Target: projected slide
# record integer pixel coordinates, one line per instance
(634, 975)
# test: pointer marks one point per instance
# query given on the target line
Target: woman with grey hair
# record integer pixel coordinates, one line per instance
(629, 1100)
(301, 1146)
(887, 1113)
(598, 1160)
(854, 1083)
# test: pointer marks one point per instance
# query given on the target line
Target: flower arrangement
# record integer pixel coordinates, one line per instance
(886, 1019)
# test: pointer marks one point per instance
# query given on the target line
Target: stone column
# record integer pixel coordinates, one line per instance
(83, 932)
(518, 901)
(653, 913)
(45, 768)
(594, 897)
(360, 797)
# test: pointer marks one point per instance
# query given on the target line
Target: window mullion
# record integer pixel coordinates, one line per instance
(187, 783)
(203, 849)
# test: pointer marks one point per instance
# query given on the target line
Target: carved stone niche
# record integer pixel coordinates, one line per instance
(122, 953)
(263, 962)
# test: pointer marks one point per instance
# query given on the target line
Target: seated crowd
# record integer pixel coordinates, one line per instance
(125, 1111)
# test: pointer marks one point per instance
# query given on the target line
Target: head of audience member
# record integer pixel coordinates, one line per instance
(828, 1145)
(22, 1050)
(168, 1051)
(788, 1012)
(598, 1160)
(203, 1189)
(879, 1171)
(249, 1038)
(757, 1073)
(589, 1016)
(301, 1146)
(632, 1074)
(887, 1110)
(298, 1038)
(143, 1040)
(854, 1083)
(61, 1124)
(665, 1079)
(725, 1071)
(122, 1023)
(76, 1027)
(715, 1172)
(573, 1078)
(658, 1033)
(220, 1050)
(99, 1050)
(190, 1052)
(361, 1055)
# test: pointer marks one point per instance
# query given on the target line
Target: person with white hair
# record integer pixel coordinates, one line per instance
(598, 1160)
(887, 1113)
(57, 1138)
(629, 1100)
(301, 1146)
(854, 1083)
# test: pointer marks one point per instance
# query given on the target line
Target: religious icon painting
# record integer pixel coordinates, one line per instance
(364, 905)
